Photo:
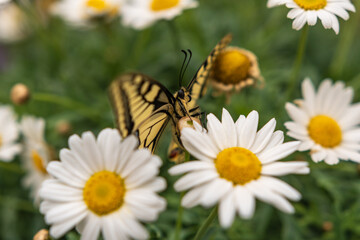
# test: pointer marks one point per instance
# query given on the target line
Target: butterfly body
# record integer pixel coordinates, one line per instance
(143, 106)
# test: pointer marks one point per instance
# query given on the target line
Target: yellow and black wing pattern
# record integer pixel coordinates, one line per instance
(141, 106)
(197, 86)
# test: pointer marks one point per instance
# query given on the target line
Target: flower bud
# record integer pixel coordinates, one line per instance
(43, 234)
(20, 94)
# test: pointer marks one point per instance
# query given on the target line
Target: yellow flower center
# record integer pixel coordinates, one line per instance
(99, 5)
(238, 165)
(159, 5)
(231, 67)
(104, 192)
(325, 131)
(311, 4)
(38, 162)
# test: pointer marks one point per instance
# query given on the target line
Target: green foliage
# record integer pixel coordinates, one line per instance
(68, 71)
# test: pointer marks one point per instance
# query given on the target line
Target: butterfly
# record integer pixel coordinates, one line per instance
(143, 106)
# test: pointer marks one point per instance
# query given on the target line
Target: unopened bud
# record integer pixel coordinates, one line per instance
(20, 94)
(327, 226)
(43, 234)
(63, 127)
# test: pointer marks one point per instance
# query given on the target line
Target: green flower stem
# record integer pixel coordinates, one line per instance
(140, 44)
(180, 209)
(67, 103)
(11, 167)
(339, 233)
(174, 35)
(298, 61)
(346, 40)
(179, 218)
(206, 224)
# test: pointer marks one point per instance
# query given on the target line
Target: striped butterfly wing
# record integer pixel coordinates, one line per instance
(141, 106)
(197, 86)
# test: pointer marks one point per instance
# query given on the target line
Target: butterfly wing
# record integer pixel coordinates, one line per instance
(197, 86)
(140, 105)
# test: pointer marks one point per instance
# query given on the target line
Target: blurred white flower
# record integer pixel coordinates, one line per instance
(306, 11)
(36, 154)
(12, 21)
(9, 133)
(326, 123)
(140, 14)
(4, 1)
(103, 185)
(236, 164)
(81, 12)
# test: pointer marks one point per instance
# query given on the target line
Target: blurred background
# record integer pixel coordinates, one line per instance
(68, 70)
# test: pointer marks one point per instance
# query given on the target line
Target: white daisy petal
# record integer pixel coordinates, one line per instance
(331, 158)
(58, 230)
(57, 170)
(91, 229)
(297, 114)
(190, 166)
(110, 230)
(193, 197)
(263, 136)
(309, 96)
(299, 22)
(280, 187)
(64, 212)
(337, 11)
(284, 168)
(211, 197)
(278, 152)
(134, 228)
(346, 154)
(189, 180)
(216, 131)
(276, 139)
(311, 18)
(248, 131)
(108, 142)
(203, 143)
(125, 152)
(306, 145)
(230, 128)
(266, 195)
(296, 128)
(244, 201)
(294, 13)
(227, 210)
(325, 19)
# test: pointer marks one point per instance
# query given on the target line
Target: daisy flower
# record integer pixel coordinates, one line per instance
(140, 14)
(104, 185)
(36, 154)
(234, 69)
(9, 133)
(81, 12)
(12, 19)
(308, 11)
(326, 123)
(236, 164)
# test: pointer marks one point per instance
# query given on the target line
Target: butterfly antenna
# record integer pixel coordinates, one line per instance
(181, 75)
(187, 64)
